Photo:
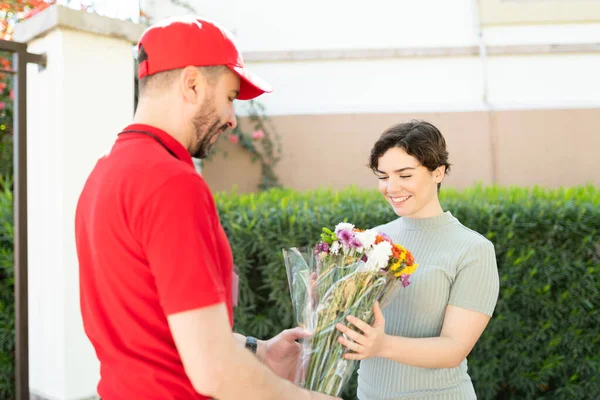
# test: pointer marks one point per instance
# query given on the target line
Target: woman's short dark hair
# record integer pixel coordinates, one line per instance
(419, 139)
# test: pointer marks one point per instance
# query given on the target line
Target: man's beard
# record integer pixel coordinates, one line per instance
(207, 125)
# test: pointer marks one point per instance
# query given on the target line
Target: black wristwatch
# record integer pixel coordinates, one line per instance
(251, 344)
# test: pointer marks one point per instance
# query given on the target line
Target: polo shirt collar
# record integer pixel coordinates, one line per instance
(169, 141)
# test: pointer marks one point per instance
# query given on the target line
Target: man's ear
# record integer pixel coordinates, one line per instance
(192, 85)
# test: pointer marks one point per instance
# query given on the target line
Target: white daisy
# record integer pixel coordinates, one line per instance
(335, 248)
(343, 225)
(379, 256)
(367, 238)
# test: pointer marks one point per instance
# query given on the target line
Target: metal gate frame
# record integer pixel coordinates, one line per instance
(20, 60)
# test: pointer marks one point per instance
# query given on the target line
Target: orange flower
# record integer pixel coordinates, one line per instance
(379, 239)
(397, 251)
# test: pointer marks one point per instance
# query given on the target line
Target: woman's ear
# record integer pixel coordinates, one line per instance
(439, 174)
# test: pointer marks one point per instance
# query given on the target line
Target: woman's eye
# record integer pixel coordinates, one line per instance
(381, 178)
(405, 176)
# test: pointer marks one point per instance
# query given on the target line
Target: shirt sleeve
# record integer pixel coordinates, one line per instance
(179, 238)
(476, 285)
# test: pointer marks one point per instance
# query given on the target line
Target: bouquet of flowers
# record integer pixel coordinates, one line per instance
(344, 274)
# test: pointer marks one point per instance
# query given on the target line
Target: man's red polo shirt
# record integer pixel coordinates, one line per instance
(150, 244)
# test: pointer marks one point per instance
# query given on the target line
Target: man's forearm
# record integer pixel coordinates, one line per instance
(240, 339)
(436, 352)
(244, 371)
(219, 366)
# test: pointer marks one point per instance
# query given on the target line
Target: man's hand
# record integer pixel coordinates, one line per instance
(282, 352)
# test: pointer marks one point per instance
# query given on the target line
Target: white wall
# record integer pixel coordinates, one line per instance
(267, 25)
(401, 85)
(551, 81)
(76, 107)
(371, 86)
(432, 85)
(46, 267)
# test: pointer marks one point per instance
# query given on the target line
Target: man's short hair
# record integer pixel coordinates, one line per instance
(162, 80)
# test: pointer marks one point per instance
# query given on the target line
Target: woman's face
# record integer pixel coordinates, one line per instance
(409, 187)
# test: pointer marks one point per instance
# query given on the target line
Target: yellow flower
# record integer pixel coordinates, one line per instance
(408, 270)
(395, 266)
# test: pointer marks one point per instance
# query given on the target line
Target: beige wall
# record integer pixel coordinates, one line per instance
(524, 147)
(494, 12)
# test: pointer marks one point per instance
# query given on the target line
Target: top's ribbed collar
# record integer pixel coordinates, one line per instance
(415, 224)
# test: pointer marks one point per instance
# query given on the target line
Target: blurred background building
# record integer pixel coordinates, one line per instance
(513, 85)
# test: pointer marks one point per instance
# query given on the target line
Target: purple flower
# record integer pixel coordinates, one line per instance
(405, 280)
(322, 247)
(356, 243)
(364, 258)
(345, 236)
(383, 235)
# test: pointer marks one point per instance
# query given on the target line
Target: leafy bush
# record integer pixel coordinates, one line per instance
(7, 300)
(543, 340)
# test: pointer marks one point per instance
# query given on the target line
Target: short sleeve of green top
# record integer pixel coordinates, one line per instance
(475, 285)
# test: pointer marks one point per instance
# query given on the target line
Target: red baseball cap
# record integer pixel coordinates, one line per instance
(179, 42)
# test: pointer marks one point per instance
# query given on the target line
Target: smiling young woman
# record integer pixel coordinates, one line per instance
(417, 347)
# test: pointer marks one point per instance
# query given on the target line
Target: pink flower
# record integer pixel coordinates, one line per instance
(2, 105)
(2, 86)
(257, 135)
(405, 280)
(345, 237)
(233, 139)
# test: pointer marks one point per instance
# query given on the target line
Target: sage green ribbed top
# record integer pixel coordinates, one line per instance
(457, 266)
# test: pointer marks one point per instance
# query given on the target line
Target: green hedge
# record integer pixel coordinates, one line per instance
(7, 304)
(543, 341)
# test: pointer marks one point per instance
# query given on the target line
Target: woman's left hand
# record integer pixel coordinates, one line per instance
(370, 343)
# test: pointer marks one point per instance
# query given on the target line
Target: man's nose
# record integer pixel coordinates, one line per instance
(232, 123)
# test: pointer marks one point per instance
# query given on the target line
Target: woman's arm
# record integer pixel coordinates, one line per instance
(460, 331)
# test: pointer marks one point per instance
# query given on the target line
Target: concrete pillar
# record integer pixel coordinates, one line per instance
(76, 106)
